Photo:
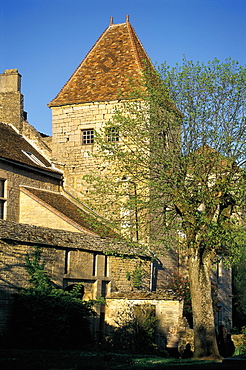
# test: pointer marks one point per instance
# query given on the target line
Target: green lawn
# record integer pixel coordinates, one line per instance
(76, 360)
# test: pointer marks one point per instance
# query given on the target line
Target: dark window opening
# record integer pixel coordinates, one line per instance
(87, 136)
(106, 266)
(1, 209)
(94, 264)
(2, 198)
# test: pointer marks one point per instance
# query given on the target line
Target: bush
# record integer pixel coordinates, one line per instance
(47, 317)
(136, 330)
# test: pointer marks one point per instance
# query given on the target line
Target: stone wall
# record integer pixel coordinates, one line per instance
(34, 213)
(12, 110)
(119, 311)
(42, 144)
(69, 258)
(16, 176)
(67, 149)
(222, 278)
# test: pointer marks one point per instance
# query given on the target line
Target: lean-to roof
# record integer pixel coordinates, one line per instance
(70, 211)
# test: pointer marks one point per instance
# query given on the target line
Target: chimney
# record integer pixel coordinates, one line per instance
(10, 81)
(11, 99)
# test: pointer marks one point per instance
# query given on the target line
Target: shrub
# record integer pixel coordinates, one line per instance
(136, 330)
(47, 317)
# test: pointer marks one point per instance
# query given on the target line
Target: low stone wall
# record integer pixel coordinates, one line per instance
(119, 311)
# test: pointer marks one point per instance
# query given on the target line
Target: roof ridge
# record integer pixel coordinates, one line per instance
(100, 76)
(131, 34)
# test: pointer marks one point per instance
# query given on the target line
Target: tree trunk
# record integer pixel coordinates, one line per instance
(202, 307)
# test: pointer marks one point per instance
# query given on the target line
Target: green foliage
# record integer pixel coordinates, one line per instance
(244, 339)
(211, 97)
(136, 329)
(136, 277)
(47, 317)
(241, 343)
(39, 280)
(177, 166)
(180, 143)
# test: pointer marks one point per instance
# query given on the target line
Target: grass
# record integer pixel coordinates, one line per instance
(80, 360)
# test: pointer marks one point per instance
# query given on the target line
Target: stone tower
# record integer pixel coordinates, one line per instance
(89, 99)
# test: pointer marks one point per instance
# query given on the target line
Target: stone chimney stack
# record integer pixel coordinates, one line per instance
(11, 99)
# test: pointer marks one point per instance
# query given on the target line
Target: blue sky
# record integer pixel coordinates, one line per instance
(47, 39)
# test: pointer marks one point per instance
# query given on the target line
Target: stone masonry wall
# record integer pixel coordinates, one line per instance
(67, 149)
(122, 273)
(11, 108)
(75, 159)
(69, 258)
(34, 213)
(15, 177)
(168, 313)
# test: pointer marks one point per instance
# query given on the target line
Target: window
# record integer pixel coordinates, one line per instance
(112, 133)
(33, 158)
(2, 198)
(87, 136)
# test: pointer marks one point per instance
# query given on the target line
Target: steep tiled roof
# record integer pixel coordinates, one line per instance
(13, 146)
(68, 210)
(104, 75)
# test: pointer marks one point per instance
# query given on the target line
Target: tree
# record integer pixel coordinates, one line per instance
(176, 164)
(239, 283)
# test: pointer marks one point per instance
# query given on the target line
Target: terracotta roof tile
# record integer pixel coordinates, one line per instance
(117, 57)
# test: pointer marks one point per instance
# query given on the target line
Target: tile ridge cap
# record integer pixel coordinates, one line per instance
(131, 35)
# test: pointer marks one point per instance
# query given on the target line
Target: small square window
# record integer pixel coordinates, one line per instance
(112, 134)
(87, 136)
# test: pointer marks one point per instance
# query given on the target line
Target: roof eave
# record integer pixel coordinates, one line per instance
(47, 172)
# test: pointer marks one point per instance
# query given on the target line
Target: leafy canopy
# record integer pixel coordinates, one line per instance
(176, 162)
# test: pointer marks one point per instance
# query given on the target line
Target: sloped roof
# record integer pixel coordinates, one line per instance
(15, 147)
(70, 211)
(37, 235)
(117, 58)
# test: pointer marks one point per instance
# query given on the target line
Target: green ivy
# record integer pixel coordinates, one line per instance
(136, 277)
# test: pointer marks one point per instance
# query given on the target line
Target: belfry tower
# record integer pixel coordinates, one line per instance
(90, 96)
